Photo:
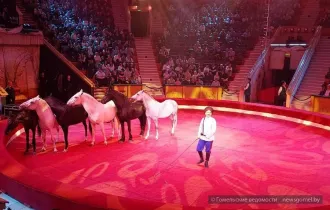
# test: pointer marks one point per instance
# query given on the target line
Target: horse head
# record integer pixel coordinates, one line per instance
(76, 99)
(14, 120)
(117, 97)
(108, 96)
(30, 104)
(138, 96)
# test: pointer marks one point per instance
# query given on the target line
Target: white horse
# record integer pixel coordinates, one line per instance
(98, 113)
(155, 110)
(47, 119)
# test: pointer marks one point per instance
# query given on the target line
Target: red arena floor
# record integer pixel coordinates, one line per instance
(252, 155)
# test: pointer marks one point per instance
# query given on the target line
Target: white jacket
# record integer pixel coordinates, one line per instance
(210, 127)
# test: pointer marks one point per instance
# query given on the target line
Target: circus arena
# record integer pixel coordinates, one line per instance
(164, 104)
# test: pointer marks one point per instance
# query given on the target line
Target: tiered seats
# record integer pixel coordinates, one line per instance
(219, 35)
(85, 33)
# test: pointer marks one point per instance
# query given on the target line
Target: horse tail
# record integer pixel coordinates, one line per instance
(90, 127)
(38, 129)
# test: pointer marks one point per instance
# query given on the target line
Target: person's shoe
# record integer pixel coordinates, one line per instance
(208, 154)
(201, 161)
(201, 157)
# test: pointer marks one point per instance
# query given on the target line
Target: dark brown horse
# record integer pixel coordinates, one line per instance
(126, 111)
(68, 115)
(30, 121)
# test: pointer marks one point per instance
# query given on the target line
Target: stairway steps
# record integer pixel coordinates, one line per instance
(148, 67)
(119, 14)
(314, 77)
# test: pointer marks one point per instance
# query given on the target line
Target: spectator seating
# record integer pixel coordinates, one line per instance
(84, 31)
(203, 43)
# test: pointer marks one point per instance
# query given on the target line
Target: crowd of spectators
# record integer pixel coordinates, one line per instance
(84, 31)
(324, 15)
(4, 14)
(203, 44)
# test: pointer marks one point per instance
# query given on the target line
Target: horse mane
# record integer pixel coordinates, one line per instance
(89, 97)
(51, 100)
(118, 98)
(148, 95)
(116, 92)
(57, 106)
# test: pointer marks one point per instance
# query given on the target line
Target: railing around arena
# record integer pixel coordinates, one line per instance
(302, 67)
(194, 92)
(128, 90)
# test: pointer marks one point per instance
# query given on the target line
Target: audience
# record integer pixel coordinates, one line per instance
(324, 15)
(202, 44)
(85, 33)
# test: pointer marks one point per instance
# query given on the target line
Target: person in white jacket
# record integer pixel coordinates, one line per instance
(206, 132)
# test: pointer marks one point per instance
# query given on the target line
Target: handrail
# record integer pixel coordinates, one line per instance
(303, 66)
(20, 16)
(261, 58)
(88, 81)
(255, 71)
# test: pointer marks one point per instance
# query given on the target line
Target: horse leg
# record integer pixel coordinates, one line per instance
(93, 134)
(43, 134)
(58, 133)
(103, 132)
(113, 128)
(156, 125)
(129, 130)
(119, 129)
(143, 121)
(148, 131)
(65, 131)
(174, 123)
(34, 139)
(27, 134)
(53, 139)
(85, 126)
(122, 125)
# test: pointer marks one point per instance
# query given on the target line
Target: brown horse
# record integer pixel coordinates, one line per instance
(126, 111)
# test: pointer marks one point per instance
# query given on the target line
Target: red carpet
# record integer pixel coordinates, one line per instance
(251, 156)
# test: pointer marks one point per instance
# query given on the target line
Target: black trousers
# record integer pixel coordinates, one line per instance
(247, 97)
(281, 102)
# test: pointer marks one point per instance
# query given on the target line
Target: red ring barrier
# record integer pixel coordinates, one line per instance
(25, 185)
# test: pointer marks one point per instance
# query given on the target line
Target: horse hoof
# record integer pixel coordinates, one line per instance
(55, 150)
(43, 149)
(130, 141)
(121, 141)
(92, 144)
(65, 150)
(106, 143)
